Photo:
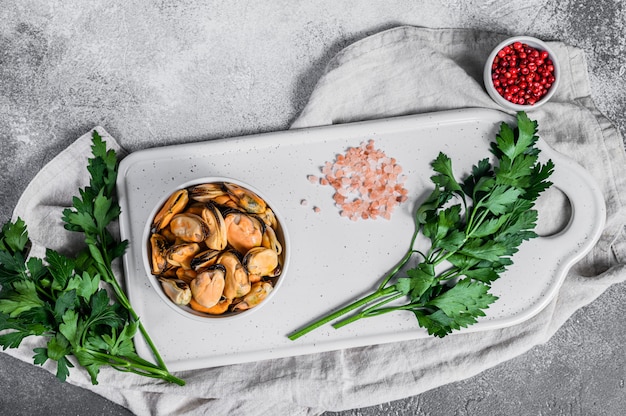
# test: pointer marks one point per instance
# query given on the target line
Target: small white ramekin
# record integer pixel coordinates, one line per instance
(493, 93)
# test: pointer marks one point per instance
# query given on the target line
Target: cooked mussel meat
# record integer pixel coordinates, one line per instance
(257, 294)
(205, 259)
(186, 275)
(208, 286)
(226, 201)
(270, 240)
(260, 261)
(246, 199)
(189, 227)
(206, 192)
(195, 208)
(174, 204)
(217, 309)
(268, 217)
(177, 290)
(158, 249)
(181, 255)
(237, 281)
(243, 231)
(217, 237)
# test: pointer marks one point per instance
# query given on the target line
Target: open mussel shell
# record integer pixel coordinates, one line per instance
(220, 241)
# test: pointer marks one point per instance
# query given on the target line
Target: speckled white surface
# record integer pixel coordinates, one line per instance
(166, 72)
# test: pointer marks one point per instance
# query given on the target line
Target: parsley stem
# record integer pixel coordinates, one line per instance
(373, 310)
(381, 311)
(135, 365)
(442, 257)
(103, 264)
(395, 270)
(448, 274)
(473, 224)
(407, 256)
(109, 277)
(349, 308)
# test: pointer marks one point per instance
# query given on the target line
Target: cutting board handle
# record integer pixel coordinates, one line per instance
(588, 209)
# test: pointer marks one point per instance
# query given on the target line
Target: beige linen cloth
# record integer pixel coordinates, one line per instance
(405, 70)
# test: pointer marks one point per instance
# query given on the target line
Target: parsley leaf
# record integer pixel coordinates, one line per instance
(60, 297)
(23, 298)
(18, 331)
(465, 301)
(60, 267)
(443, 165)
(14, 237)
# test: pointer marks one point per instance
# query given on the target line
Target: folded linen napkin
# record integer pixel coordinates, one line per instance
(400, 71)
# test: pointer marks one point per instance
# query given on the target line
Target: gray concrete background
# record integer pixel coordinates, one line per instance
(156, 72)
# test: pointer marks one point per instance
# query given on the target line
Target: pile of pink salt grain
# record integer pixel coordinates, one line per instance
(368, 183)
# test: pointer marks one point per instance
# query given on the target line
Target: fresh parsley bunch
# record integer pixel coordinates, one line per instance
(473, 239)
(61, 299)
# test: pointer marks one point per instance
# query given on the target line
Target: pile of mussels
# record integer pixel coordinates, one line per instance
(215, 248)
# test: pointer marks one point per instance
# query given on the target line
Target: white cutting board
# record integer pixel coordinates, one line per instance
(333, 260)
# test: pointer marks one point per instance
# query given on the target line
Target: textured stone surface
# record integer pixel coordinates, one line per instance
(156, 72)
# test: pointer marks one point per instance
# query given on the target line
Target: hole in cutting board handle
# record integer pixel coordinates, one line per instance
(555, 212)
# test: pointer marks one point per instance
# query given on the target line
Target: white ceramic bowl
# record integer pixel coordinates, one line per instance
(491, 89)
(187, 311)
